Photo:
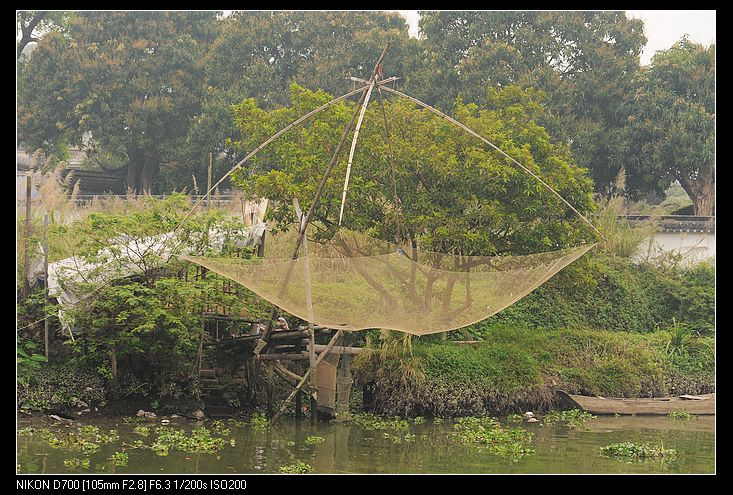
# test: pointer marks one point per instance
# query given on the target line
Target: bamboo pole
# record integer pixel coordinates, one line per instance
(208, 184)
(270, 385)
(353, 148)
(309, 305)
(312, 369)
(26, 254)
(45, 271)
(315, 203)
(396, 198)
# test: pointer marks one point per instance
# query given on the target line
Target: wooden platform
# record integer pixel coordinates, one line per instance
(700, 404)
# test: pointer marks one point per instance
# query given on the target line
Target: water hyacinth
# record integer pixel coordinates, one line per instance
(513, 443)
(143, 431)
(370, 421)
(314, 440)
(76, 463)
(218, 428)
(86, 439)
(680, 416)
(571, 418)
(120, 458)
(514, 418)
(637, 451)
(259, 422)
(298, 468)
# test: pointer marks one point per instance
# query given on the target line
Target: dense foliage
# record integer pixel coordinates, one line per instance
(144, 317)
(673, 124)
(453, 194)
(154, 89)
(515, 369)
(614, 293)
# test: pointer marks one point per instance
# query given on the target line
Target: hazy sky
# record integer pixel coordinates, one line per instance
(661, 27)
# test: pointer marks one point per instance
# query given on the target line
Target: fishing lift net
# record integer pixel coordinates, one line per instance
(356, 282)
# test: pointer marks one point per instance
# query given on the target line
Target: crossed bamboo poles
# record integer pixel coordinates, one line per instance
(366, 90)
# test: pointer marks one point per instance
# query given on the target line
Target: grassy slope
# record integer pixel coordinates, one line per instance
(518, 368)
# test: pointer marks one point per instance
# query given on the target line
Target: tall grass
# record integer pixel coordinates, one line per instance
(622, 239)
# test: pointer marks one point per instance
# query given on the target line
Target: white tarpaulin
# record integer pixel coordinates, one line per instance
(70, 279)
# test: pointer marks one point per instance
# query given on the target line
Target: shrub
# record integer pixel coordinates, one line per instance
(613, 293)
(62, 386)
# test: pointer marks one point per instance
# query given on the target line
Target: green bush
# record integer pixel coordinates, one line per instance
(613, 293)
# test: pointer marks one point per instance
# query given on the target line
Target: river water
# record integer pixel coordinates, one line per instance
(348, 448)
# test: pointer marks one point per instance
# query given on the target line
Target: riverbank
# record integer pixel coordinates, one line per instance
(512, 370)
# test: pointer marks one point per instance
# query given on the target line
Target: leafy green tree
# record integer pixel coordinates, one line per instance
(673, 125)
(148, 321)
(454, 194)
(33, 24)
(583, 62)
(259, 54)
(132, 80)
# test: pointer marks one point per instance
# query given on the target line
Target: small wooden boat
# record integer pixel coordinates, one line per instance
(693, 404)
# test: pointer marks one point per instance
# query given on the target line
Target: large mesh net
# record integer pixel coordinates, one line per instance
(356, 282)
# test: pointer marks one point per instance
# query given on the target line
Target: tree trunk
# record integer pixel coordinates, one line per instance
(141, 171)
(701, 190)
(146, 176)
(131, 181)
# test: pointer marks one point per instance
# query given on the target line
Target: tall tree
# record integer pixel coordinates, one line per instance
(583, 62)
(261, 53)
(132, 80)
(455, 195)
(673, 125)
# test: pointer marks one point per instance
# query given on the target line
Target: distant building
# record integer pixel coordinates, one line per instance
(71, 175)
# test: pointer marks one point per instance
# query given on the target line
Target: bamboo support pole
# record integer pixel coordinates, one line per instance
(270, 386)
(353, 148)
(27, 244)
(313, 377)
(396, 198)
(45, 271)
(316, 201)
(208, 184)
(286, 374)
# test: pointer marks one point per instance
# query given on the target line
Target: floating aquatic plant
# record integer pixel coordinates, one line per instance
(75, 462)
(218, 428)
(513, 443)
(680, 416)
(299, 468)
(314, 440)
(572, 418)
(120, 458)
(514, 418)
(259, 422)
(373, 422)
(637, 451)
